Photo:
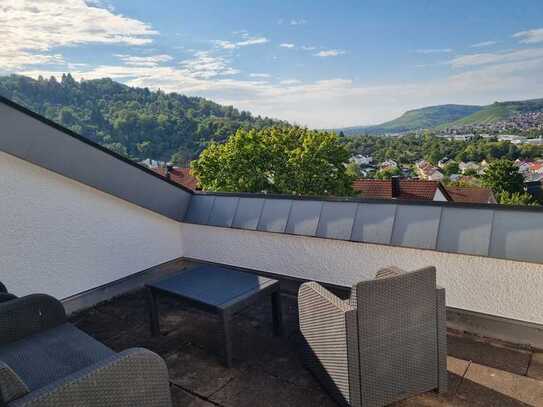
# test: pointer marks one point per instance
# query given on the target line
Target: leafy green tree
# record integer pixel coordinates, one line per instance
(387, 173)
(451, 168)
(503, 176)
(516, 198)
(181, 157)
(117, 148)
(471, 172)
(353, 170)
(276, 160)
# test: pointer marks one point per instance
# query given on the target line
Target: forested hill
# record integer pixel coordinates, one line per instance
(135, 122)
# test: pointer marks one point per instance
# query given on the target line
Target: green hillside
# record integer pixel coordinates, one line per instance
(135, 122)
(446, 116)
(498, 111)
(424, 118)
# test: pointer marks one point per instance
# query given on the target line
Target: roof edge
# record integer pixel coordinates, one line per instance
(517, 208)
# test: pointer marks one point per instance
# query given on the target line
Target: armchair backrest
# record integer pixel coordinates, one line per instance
(397, 336)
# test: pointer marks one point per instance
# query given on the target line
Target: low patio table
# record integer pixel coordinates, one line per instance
(218, 290)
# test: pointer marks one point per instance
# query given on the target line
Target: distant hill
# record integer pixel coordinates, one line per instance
(135, 122)
(443, 116)
(498, 111)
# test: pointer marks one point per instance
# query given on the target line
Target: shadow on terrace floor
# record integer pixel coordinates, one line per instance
(267, 370)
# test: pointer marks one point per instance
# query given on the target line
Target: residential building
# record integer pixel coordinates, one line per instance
(179, 175)
(443, 162)
(387, 164)
(468, 166)
(361, 160)
(428, 172)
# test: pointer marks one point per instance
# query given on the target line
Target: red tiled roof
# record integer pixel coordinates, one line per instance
(409, 189)
(471, 195)
(181, 176)
(421, 190)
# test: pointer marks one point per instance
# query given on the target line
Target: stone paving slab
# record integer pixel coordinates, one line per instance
(486, 386)
(535, 370)
(502, 358)
(181, 398)
(199, 371)
(257, 388)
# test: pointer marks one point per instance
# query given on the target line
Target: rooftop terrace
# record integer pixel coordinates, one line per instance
(268, 371)
(88, 236)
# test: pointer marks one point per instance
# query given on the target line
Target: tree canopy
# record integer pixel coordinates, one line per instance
(503, 176)
(136, 122)
(276, 160)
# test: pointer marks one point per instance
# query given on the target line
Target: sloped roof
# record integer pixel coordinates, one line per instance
(181, 176)
(471, 195)
(409, 189)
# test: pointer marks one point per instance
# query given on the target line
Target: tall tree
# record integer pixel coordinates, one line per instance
(503, 176)
(277, 160)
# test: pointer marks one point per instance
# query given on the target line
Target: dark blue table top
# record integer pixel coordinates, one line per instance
(213, 285)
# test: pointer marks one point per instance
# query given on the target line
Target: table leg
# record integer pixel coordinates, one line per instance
(277, 313)
(227, 337)
(153, 312)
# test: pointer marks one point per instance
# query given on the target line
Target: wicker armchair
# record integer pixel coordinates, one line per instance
(4, 294)
(386, 343)
(45, 361)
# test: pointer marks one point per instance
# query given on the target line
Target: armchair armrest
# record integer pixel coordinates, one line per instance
(28, 315)
(134, 377)
(3, 288)
(329, 329)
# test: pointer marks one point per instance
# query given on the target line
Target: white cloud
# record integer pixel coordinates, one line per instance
(246, 42)
(299, 21)
(32, 29)
(259, 75)
(483, 44)
(330, 53)
(204, 65)
(286, 45)
(433, 51)
(308, 47)
(496, 57)
(290, 82)
(530, 36)
(152, 60)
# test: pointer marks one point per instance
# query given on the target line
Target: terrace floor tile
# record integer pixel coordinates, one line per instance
(486, 386)
(257, 388)
(181, 398)
(535, 370)
(481, 352)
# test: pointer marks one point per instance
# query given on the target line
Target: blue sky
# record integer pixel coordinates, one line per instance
(316, 63)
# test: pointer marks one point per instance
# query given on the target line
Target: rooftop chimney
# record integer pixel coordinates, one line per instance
(169, 169)
(395, 186)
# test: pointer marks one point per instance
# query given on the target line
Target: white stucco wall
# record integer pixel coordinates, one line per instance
(61, 237)
(504, 288)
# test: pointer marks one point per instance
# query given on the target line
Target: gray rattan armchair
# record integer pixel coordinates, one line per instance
(384, 344)
(45, 361)
(4, 294)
